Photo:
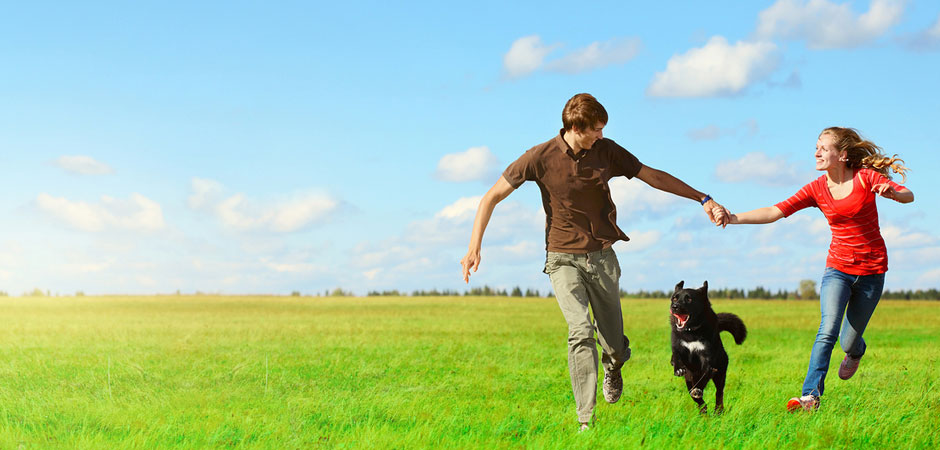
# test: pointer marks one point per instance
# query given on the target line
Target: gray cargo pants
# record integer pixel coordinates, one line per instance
(582, 282)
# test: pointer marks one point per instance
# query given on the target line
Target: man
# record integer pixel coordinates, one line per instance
(572, 170)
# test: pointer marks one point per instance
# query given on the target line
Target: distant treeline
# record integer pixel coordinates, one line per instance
(758, 293)
(929, 294)
(806, 292)
(484, 291)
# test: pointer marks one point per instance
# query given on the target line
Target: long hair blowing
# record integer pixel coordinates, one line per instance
(861, 153)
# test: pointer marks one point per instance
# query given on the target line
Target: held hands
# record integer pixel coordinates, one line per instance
(722, 214)
(719, 215)
(470, 261)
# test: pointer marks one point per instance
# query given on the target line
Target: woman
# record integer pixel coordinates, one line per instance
(855, 171)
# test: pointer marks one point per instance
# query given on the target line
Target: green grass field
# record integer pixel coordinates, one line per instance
(459, 372)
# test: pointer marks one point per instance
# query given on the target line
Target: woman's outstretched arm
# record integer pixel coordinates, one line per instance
(767, 214)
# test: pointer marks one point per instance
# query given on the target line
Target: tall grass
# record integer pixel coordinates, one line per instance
(289, 372)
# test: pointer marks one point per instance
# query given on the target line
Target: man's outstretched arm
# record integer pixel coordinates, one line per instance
(668, 183)
(496, 194)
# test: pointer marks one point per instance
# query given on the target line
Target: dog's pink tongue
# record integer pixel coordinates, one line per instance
(681, 318)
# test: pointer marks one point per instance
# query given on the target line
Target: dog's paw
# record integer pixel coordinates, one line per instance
(696, 393)
(679, 372)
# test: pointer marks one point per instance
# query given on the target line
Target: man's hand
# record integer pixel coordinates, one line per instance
(470, 261)
(496, 194)
(719, 215)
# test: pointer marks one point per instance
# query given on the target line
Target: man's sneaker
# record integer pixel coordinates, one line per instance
(613, 385)
(849, 366)
(804, 403)
(584, 427)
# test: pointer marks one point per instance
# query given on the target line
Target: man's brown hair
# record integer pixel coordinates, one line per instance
(584, 112)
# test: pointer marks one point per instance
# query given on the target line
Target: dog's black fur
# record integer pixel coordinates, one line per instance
(697, 352)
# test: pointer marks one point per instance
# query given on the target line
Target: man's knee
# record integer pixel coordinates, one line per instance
(581, 335)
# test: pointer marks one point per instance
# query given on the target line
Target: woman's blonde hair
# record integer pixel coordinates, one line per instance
(861, 153)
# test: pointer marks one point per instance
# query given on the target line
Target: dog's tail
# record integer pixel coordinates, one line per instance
(734, 325)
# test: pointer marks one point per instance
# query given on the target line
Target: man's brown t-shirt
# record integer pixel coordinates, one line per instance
(580, 216)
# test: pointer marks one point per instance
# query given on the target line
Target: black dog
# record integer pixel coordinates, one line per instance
(697, 352)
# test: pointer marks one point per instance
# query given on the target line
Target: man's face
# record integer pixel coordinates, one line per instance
(587, 137)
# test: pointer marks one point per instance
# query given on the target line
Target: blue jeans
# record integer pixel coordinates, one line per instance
(854, 296)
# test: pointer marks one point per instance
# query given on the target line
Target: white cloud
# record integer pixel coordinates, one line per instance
(385, 254)
(523, 248)
(453, 223)
(11, 253)
(930, 278)
(371, 274)
(204, 193)
(750, 127)
(145, 280)
(708, 133)
(634, 197)
(82, 165)
(639, 241)
(86, 267)
(934, 31)
(770, 250)
(462, 210)
(896, 237)
(476, 163)
(525, 56)
(806, 229)
(912, 260)
(713, 132)
(528, 54)
(819, 227)
(515, 252)
(824, 24)
(759, 168)
(294, 267)
(137, 214)
(716, 69)
(926, 40)
(282, 215)
(428, 251)
(596, 55)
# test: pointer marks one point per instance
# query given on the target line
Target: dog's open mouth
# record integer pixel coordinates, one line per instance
(681, 320)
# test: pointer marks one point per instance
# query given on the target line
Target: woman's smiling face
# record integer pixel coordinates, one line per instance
(826, 154)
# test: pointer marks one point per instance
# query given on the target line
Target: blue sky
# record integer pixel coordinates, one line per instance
(259, 147)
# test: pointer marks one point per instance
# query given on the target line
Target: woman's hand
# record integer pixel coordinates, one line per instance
(885, 190)
(904, 195)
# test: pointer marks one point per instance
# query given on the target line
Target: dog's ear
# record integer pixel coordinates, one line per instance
(679, 286)
(705, 286)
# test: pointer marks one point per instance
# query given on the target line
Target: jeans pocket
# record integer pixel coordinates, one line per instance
(551, 264)
(610, 263)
